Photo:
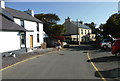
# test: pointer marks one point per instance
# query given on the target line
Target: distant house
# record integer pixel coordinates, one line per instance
(77, 31)
(20, 31)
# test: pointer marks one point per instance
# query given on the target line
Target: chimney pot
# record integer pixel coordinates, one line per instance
(2, 4)
(30, 12)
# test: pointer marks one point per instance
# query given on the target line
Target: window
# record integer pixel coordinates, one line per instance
(37, 26)
(81, 31)
(85, 31)
(88, 31)
(106, 40)
(22, 39)
(38, 38)
(22, 23)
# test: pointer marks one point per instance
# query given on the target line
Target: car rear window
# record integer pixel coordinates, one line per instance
(107, 41)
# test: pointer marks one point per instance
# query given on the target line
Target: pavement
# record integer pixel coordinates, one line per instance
(7, 61)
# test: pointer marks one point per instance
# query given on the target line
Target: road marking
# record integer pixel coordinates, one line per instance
(96, 68)
(25, 60)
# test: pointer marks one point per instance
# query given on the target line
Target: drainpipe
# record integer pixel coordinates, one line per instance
(25, 42)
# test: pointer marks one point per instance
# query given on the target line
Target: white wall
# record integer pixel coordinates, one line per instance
(81, 35)
(32, 26)
(2, 4)
(41, 33)
(9, 41)
(17, 21)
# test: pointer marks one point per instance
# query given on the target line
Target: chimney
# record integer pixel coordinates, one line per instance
(2, 4)
(68, 19)
(81, 22)
(30, 12)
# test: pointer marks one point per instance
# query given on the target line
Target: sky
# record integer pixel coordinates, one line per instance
(97, 12)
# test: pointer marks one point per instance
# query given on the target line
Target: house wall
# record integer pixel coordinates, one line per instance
(17, 21)
(32, 26)
(2, 4)
(84, 34)
(32, 30)
(9, 41)
(70, 28)
(92, 37)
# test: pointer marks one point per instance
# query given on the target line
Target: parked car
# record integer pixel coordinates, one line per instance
(116, 48)
(106, 44)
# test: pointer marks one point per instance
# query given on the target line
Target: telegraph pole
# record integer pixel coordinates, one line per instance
(77, 31)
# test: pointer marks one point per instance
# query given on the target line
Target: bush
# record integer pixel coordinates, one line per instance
(66, 46)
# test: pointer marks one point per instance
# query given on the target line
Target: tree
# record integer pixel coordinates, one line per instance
(101, 27)
(56, 30)
(92, 25)
(112, 26)
(48, 20)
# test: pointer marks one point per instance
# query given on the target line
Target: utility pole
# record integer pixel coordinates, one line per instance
(77, 31)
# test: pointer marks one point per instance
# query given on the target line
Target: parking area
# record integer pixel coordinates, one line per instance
(107, 63)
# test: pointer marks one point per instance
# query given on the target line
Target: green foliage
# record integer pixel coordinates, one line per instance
(56, 30)
(48, 21)
(66, 46)
(112, 26)
(48, 18)
(92, 25)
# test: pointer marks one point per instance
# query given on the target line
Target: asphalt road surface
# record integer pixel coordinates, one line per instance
(67, 64)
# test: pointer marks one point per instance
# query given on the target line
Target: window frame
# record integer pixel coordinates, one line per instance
(82, 31)
(22, 23)
(38, 38)
(38, 27)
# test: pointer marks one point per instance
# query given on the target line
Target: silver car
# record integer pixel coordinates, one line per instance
(106, 44)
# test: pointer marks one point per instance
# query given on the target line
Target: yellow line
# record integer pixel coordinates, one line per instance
(96, 68)
(24, 61)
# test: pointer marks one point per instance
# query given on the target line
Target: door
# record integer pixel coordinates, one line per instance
(31, 41)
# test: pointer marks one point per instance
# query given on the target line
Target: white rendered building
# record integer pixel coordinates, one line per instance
(19, 31)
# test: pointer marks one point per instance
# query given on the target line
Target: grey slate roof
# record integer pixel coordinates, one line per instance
(9, 25)
(21, 15)
(80, 25)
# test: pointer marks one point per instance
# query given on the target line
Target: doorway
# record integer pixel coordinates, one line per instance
(31, 41)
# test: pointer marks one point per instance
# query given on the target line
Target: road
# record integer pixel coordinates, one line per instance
(67, 64)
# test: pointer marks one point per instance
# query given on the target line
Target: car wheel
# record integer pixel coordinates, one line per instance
(105, 47)
(117, 54)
